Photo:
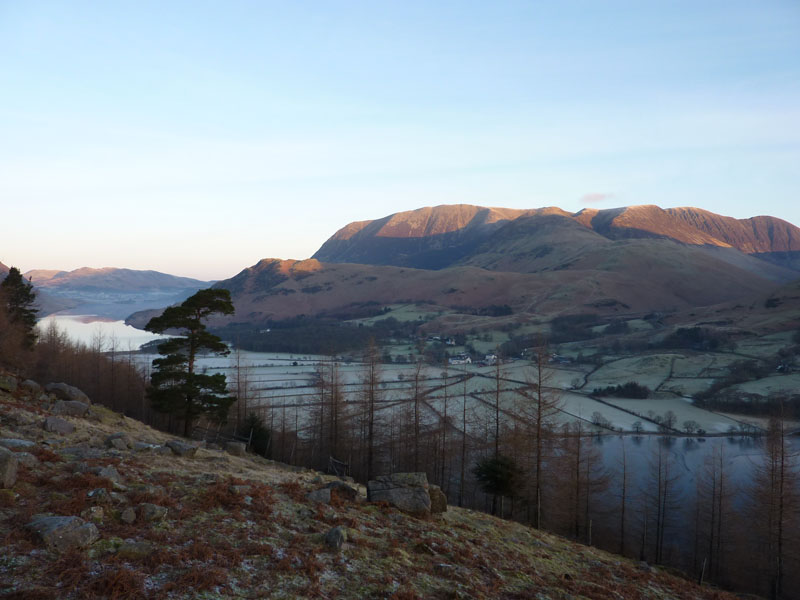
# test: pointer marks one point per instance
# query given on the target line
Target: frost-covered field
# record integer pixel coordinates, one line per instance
(684, 411)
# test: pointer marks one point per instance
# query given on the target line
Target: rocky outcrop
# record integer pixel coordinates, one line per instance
(406, 491)
(335, 538)
(63, 533)
(236, 448)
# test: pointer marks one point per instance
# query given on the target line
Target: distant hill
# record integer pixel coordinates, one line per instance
(548, 238)
(110, 292)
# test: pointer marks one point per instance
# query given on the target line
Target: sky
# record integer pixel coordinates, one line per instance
(196, 138)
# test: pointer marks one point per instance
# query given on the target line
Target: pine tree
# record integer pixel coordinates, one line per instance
(18, 297)
(176, 387)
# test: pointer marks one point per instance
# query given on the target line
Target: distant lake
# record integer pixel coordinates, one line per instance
(86, 329)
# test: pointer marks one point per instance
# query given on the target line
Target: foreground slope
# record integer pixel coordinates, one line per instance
(222, 526)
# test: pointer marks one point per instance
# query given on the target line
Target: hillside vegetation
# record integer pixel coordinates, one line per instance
(213, 525)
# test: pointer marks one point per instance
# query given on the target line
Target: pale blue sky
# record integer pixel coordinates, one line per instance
(197, 137)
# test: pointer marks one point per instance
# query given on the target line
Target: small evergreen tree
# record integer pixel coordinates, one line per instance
(498, 476)
(18, 297)
(176, 386)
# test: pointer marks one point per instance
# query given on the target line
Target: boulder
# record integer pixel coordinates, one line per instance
(8, 383)
(152, 512)
(119, 441)
(65, 391)
(108, 472)
(8, 468)
(335, 538)
(344, 491)
(30, 386)
(406, 491)
(181, 448)
(58, 425)
(438, 499)
(128, 516)
(63, 533)
(236, 448)
(71, 408)
(14, 444)
(99, 495)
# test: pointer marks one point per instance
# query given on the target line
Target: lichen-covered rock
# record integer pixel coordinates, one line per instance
(58, 425)
(8, 468)
(109, 472)
(335, 538)
(94, 514)
(152, 512)
(146, 447)
(236, 448)
(65, 391)
(63, 533)
(181, 448)
(406, 491)
(438, 499)
(128, 516)
(71, 408)
(8, 383)
(99, 495)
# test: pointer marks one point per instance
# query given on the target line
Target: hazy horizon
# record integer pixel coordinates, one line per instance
(196, 140)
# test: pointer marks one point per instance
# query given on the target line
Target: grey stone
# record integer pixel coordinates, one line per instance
(8, 468)
(152, 512)
(344, 491)
(8, 383)
(26, 459)
(108, 472)
(119, 440)
(335, 538)
(63, 533)
(145, 447)
(181, 448)
(162, 450)
(239, 490)
(128, 516)
(13, 444)
(118, 444)
(438, 499)
(71, 408)
(322, 495)
(58, 425)
(406, 491)
(30, 386)
(65, 391)
(236, 448)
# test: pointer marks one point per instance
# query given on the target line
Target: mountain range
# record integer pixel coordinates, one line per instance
(540, 262)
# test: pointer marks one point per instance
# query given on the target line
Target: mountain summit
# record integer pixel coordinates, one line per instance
(448, 235)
